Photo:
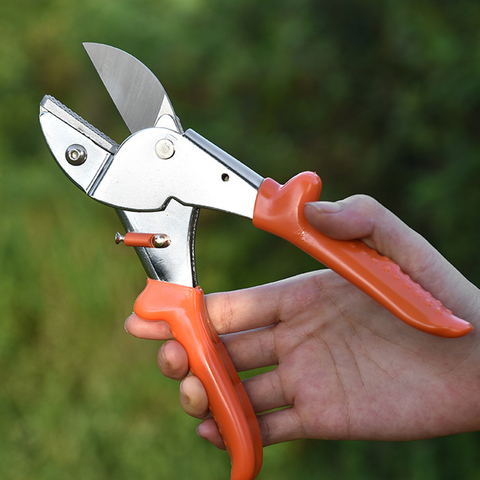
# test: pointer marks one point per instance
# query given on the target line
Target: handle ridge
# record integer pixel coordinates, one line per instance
(183, 308)
(280, 210)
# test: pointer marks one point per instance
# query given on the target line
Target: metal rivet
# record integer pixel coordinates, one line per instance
(161, 240)
(119, 238)
(165, 149)
(225, 177)
(76, 154)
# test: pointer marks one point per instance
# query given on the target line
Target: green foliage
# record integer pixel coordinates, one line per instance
(381, 98)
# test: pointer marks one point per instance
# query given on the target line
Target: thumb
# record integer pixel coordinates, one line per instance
(362, 217)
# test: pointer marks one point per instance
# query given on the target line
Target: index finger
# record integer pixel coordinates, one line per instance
(256, 307)
(147, 329)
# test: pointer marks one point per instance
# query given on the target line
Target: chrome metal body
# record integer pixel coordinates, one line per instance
(196, 173)
(175, 263)
(159, 177)
(139, 180)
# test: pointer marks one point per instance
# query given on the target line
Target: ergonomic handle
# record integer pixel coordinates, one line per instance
(279, 209)
(183, 308)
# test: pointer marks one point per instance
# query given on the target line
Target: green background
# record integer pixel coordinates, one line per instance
(381, 98)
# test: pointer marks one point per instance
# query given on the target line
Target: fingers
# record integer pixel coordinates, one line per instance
(251, 349)
(172, 360)
(263, 390)
(280, 426)
(248, 350)
(265, 393)
(193, 397)
(245, 309)
(208, 430)
(275, 427)
(138, 327)
(229, 312)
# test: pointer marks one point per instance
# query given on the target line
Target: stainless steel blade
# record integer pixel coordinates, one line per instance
(137, 93)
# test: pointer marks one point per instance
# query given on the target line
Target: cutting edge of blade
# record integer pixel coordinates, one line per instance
(144, 100)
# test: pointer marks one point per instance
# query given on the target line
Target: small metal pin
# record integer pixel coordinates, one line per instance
(119, 238)
(147, 240)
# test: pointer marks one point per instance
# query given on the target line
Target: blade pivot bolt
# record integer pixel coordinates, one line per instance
(165, 149)
(76, 154)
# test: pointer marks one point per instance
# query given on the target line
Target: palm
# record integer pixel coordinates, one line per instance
(350, 370)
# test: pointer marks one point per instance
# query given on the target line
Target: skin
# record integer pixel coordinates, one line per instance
(345, 367)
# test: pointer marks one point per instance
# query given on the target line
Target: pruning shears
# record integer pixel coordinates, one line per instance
(158, 179)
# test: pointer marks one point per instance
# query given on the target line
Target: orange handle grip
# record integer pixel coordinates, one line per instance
(183, 308)
(280, 210)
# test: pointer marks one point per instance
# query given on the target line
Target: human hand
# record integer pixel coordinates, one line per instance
(345, 367)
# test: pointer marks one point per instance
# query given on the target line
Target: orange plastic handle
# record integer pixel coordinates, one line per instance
(183, 308)
(280, 210)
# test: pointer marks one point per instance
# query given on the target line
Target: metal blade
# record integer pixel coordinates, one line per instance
(137, 93)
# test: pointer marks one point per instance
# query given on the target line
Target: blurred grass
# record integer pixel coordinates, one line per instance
(382, 99)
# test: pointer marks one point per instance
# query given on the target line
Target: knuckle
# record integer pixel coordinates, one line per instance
(363, 203)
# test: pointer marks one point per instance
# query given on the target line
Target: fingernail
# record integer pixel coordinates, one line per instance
(125, 323)
(199, 434)
(184, 398)
(163, 359)
(326, 207)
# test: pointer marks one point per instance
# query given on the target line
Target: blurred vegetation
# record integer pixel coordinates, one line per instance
(381, 98)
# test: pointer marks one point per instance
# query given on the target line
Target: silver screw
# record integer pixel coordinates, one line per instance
(165, 149)
(76, 154)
